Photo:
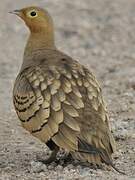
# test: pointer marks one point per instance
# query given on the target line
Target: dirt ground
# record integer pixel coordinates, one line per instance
(101, 35)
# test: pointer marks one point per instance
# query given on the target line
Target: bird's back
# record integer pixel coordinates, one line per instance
(60, 100)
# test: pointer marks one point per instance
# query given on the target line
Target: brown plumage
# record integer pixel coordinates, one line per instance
(58, 100)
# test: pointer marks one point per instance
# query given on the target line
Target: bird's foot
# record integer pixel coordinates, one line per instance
(50, 159)
(67, 158)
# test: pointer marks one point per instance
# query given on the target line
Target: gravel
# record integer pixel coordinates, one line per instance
(101, 35)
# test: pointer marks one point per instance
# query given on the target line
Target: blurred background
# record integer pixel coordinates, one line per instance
(100, 35)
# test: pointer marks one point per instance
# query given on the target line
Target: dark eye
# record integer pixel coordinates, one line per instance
(33, 13)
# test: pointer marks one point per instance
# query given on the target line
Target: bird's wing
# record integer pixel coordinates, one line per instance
(40, 99)
(64, 103)
(85, 97)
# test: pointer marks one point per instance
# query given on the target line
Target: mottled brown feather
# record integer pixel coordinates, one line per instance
(70, 98)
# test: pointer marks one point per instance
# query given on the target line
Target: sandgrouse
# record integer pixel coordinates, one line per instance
(57, 99)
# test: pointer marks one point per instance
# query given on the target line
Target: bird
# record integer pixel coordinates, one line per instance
(57, 99)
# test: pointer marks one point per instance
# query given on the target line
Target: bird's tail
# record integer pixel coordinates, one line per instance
(88, 153)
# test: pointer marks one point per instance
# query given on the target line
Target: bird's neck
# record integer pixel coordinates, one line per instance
(39, 41)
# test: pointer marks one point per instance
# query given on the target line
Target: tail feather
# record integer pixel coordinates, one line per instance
(96, 153)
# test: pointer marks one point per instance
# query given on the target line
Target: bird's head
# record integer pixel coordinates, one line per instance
(37, 19)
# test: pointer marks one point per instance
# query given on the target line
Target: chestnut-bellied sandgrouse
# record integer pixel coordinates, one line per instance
(57, 99)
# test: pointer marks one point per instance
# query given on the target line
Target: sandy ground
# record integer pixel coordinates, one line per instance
(101, 35)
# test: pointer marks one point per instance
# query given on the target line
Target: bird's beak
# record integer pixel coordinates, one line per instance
(16, 12)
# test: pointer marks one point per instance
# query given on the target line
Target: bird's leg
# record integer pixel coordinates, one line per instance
(52, 157)
(67, 158)
(54, 148)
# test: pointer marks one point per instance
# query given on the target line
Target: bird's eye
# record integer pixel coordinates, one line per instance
(33, 13)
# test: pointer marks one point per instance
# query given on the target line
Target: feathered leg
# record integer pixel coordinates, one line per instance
(54, 148)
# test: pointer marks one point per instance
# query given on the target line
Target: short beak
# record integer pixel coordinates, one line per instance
(16, 12)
